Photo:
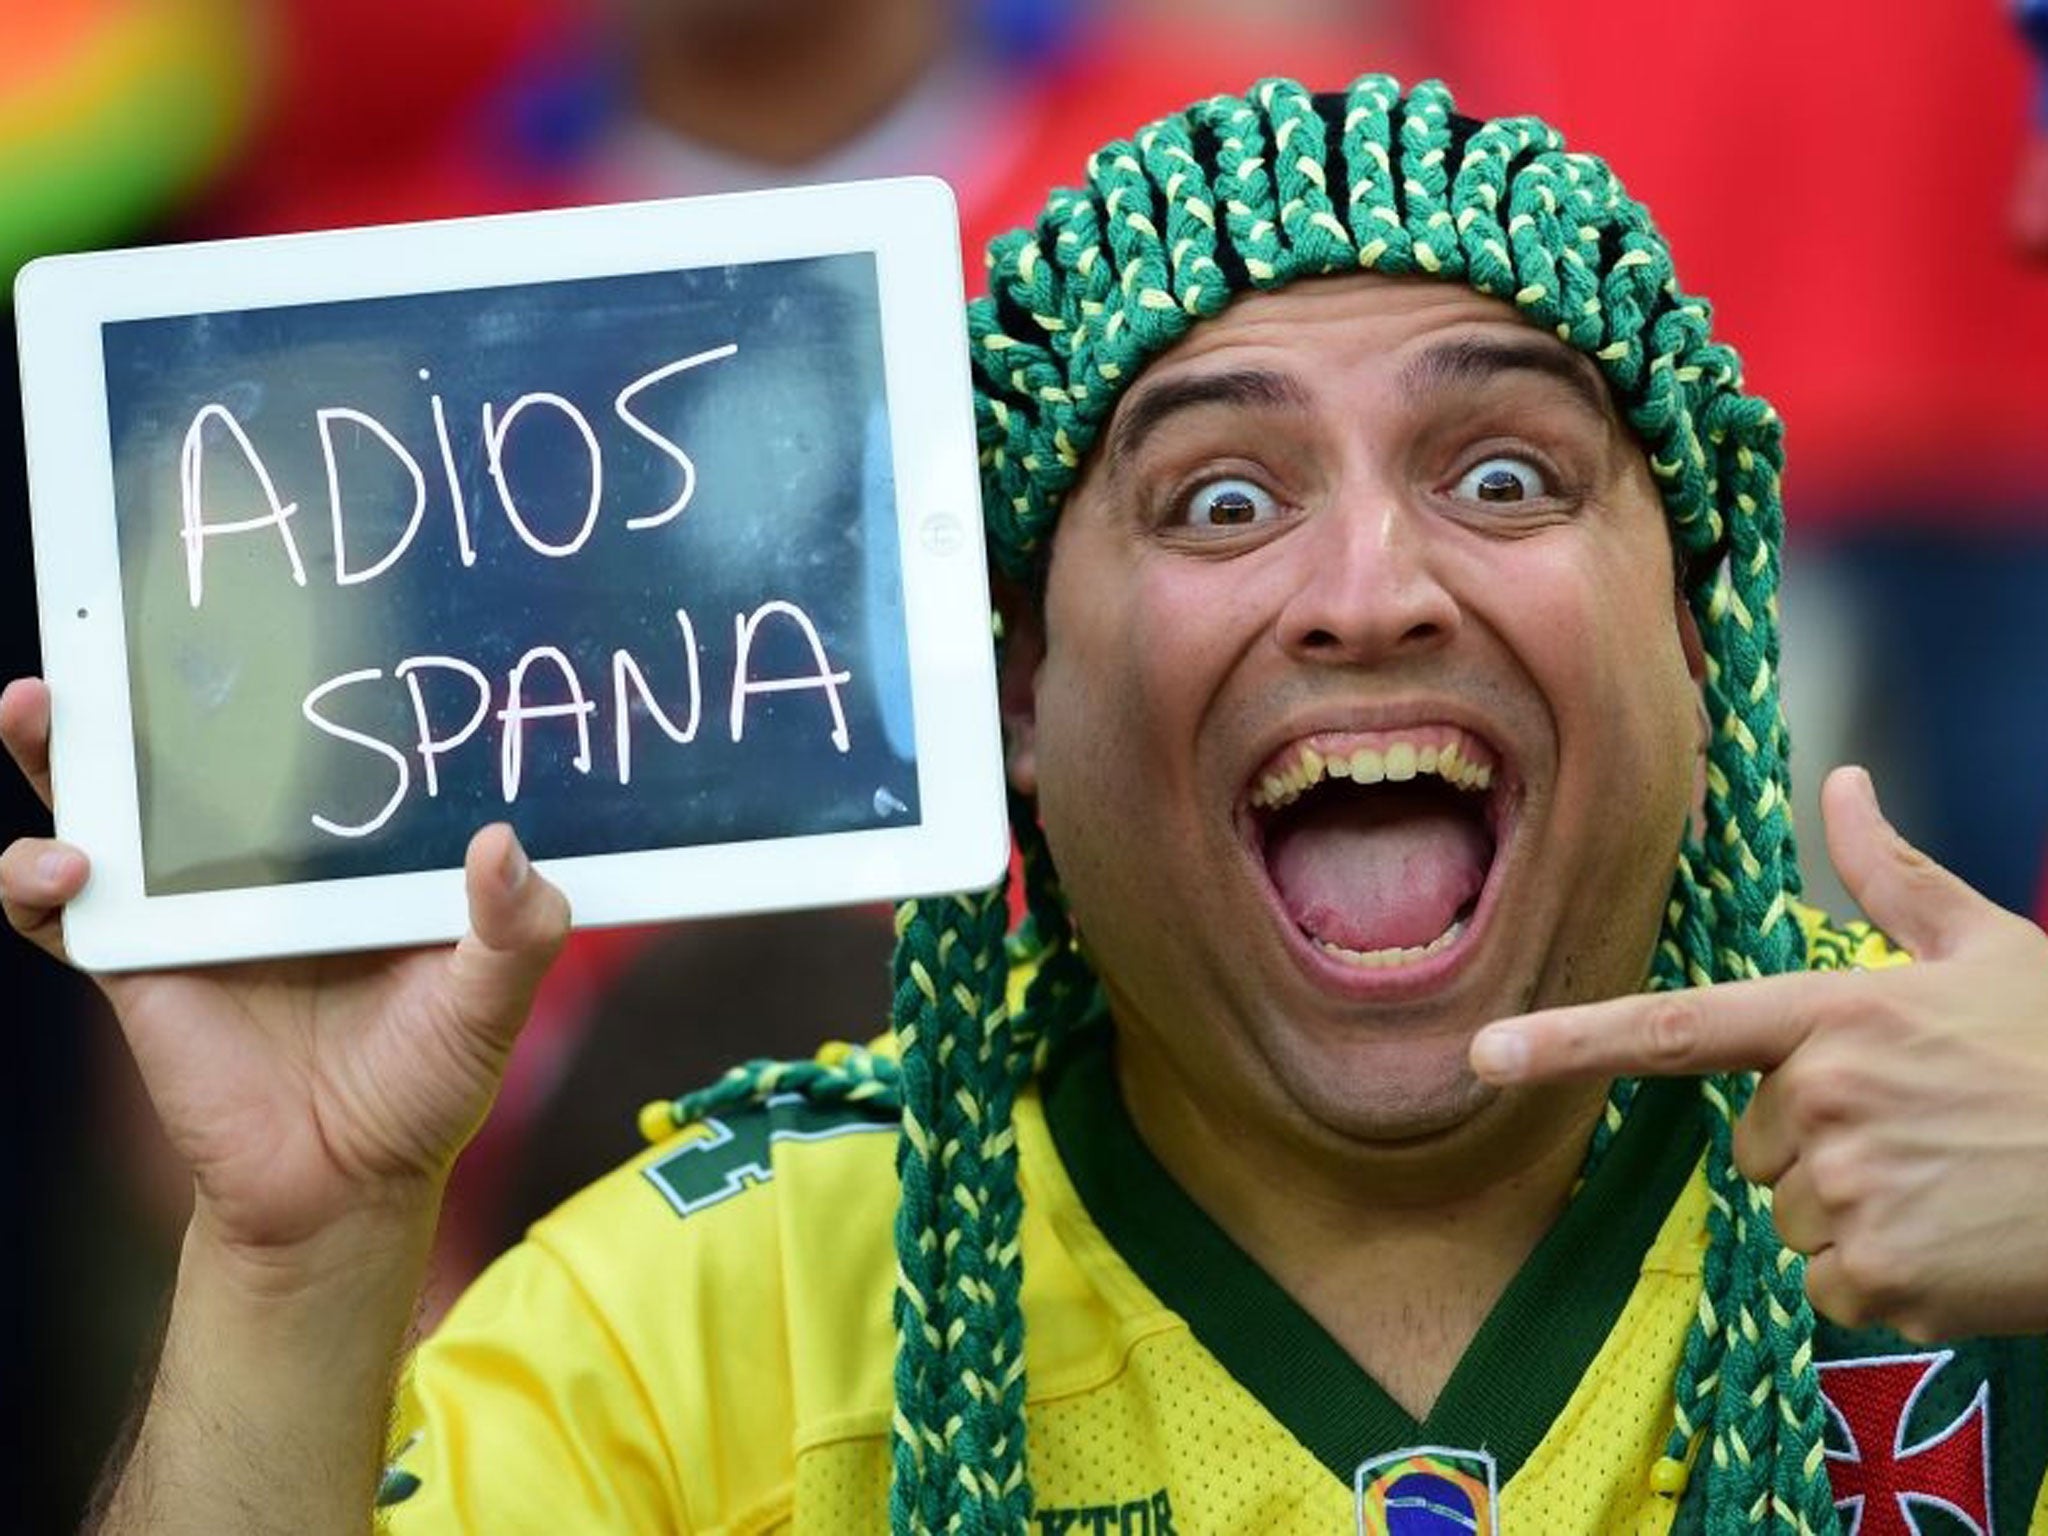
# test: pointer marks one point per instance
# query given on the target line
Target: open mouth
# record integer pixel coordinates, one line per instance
(1379, 846)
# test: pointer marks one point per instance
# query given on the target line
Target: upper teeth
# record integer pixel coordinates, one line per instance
(1396, 763)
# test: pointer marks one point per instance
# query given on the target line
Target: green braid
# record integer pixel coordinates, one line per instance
(1257, 192)
(959, 1426)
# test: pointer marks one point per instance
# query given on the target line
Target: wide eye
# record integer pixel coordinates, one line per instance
(1228, 503)
(1502, 479)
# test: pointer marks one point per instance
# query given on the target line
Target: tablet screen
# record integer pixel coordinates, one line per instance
(613, 558)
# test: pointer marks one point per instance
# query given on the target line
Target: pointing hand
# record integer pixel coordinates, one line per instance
(1902, 1114)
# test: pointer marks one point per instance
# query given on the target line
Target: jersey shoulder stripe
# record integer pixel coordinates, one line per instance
(713, 1159)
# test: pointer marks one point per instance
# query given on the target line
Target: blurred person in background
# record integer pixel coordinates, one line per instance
(612, 100)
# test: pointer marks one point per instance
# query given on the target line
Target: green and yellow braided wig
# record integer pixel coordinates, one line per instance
(1255, 192)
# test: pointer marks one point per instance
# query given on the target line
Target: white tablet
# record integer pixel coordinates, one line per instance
(654, 530)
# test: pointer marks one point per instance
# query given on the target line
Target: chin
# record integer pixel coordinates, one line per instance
(1387, 1093)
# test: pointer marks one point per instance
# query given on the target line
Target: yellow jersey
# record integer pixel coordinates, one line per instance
(701, 1343)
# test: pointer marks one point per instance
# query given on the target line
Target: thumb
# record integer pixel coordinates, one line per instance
(1907, 894)
(517, 924)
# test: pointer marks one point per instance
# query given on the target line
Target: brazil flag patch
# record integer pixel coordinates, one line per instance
(1427, 1490)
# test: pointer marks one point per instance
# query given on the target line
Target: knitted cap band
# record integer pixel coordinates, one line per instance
(1243, 194)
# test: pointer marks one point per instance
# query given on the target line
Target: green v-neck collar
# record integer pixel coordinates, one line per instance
(1519, 1369)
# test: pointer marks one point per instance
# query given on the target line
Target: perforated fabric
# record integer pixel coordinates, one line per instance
(728, 1371)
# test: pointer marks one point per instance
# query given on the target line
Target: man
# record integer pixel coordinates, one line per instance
(1391, 653)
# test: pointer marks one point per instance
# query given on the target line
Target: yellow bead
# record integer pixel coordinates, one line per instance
(657, 1120)
(1668, 1477)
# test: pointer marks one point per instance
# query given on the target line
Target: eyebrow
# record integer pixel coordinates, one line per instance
(1473, 360)
(1146, 409)
(1462, 363)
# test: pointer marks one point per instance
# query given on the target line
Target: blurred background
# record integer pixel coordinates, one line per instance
(1866, 203)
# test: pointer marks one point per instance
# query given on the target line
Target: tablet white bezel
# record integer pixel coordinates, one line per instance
(909, 225)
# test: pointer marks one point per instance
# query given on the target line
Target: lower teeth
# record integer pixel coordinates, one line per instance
(1373, 959)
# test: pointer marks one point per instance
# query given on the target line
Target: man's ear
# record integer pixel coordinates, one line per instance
(1689, 641)
(1023, 651)
(1695, 650)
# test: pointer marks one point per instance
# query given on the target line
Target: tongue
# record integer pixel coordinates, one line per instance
(1387, 868)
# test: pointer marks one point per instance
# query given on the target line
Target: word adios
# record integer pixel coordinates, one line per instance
(278, 513)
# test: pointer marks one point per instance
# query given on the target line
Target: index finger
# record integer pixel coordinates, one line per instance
(25, 728)
(1738, 1026)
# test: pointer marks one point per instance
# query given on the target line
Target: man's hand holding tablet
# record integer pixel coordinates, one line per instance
(320, 1102)
(653, 530)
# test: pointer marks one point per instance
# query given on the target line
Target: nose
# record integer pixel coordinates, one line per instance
(1367, 584)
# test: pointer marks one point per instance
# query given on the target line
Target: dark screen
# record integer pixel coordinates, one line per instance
(314, 706)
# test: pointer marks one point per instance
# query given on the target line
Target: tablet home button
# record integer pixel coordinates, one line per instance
(943, 534)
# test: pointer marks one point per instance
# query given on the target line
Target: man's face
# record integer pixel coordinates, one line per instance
(1338, 535)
